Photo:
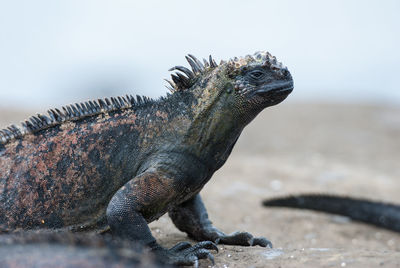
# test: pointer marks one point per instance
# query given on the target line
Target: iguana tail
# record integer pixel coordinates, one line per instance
(380, 214)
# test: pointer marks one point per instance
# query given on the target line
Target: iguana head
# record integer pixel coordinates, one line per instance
(239, 88)
(260, 80)
(224, 98)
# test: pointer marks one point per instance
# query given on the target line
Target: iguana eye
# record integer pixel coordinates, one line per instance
(256, 74)
(229, 88)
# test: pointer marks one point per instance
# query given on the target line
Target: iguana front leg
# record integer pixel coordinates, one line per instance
(191, 217)
(143, 199)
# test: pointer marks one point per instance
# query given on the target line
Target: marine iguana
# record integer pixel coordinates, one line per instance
(372, 212)
(121, 163)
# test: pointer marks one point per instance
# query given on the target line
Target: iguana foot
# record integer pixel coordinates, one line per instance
(184, 253)
(243, 239)
(236, 238)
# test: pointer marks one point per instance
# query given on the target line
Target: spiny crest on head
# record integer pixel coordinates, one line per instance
(262, 58)
(185, 78)
(70, 113)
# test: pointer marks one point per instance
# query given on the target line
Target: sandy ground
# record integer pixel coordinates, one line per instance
(296, 148)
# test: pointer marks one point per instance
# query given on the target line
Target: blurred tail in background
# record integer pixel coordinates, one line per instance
(380, 214)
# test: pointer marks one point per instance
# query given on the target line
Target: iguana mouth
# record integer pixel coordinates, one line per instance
(281, 88)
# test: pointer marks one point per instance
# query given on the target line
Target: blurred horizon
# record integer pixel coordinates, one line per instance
(56, 53)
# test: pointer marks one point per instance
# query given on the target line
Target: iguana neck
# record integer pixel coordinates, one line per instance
(213, 130)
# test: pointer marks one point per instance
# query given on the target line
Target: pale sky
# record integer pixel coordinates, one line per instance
(58, 52)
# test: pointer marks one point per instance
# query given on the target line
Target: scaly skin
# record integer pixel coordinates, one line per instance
(123, 168)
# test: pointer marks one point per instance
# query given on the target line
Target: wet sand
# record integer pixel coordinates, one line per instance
(295, 148)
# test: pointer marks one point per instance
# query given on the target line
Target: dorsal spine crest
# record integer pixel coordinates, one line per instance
(70, 113)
